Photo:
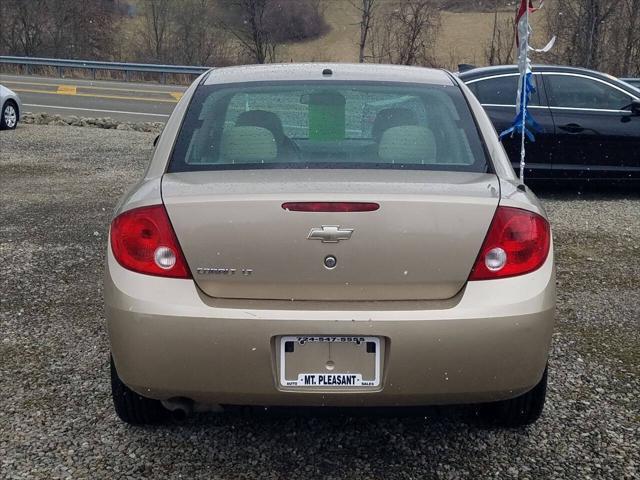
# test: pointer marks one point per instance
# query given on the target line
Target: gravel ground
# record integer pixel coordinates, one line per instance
(57, 188)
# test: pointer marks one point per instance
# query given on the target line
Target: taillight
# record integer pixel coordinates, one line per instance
(143, 240)
(517, 243)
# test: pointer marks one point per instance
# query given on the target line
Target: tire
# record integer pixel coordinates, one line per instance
(133, 408)
(520, 411)
(9, 115)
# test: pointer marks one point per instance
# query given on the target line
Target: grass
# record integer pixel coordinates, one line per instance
(462, 39)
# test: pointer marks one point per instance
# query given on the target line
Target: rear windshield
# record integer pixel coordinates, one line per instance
(328, 125)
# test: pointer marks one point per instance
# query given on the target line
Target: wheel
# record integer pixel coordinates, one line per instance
(9, 116)
(133, 408)
(519, 411)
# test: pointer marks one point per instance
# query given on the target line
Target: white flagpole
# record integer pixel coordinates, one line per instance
(523, 92)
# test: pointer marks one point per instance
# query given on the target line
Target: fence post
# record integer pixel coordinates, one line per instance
(163, 78)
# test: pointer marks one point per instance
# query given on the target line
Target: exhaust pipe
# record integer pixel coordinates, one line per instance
(180, 408)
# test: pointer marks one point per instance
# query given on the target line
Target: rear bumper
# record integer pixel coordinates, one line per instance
(490, 342)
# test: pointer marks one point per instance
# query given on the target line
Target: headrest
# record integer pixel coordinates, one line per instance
(264, 119)
(247, 145)
(392, 117)
(407, 144)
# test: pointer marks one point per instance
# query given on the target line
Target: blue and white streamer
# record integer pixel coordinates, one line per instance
(524, 124)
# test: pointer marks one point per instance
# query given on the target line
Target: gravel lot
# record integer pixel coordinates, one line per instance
(57, 188)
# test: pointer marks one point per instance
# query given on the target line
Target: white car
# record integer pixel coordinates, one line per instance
(11, 107)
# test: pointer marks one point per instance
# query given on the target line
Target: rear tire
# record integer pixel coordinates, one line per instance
(519, 411)
(133, 408)
(9, 115)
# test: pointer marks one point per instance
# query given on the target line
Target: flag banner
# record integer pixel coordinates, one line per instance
(524, 124)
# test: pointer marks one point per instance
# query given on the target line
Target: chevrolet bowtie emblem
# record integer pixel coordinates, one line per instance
(330, 234)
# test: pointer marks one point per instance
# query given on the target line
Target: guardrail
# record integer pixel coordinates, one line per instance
(127, 68)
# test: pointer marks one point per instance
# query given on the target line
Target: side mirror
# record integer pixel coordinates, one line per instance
(635, 107)
(155, 140)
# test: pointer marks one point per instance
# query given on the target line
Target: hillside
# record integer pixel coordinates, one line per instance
(462, 39)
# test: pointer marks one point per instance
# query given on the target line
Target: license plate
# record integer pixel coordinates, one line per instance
(329, 362)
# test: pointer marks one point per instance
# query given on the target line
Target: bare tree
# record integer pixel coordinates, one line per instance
(194, 37)
(156, 28)
(581, 30)
(60, 28)
(24, 26)
(499, 51)
(406, 33)
(626, 39)
(90, 27)
(295, 20)
(251, 28)
(367, 10)
(598, 34)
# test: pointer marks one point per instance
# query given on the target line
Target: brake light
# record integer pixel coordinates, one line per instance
(143, 240)
(330, 206)
(517, 243)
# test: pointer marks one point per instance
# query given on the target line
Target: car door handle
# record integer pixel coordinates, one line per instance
(572, 128)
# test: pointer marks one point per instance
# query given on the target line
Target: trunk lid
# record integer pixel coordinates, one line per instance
(420, 244)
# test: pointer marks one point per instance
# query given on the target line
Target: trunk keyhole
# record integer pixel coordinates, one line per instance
(330, 262)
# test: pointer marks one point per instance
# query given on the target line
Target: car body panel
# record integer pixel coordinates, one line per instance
(339, 72)
(603, 141)
(606, 145)
(490, 342)
(420, 244)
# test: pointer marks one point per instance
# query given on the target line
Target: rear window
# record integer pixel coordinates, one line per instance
(328, 125)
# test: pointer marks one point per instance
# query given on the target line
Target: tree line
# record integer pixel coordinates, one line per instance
(193, 32)
(597, 34)
(58, 28)
(601, 35)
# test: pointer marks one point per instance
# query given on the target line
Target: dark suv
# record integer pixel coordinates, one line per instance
(590, 121)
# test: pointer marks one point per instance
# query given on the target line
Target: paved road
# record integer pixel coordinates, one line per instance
(130, 102)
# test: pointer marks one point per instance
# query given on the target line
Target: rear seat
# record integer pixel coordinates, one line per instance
(408, 144)
(248, 145)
